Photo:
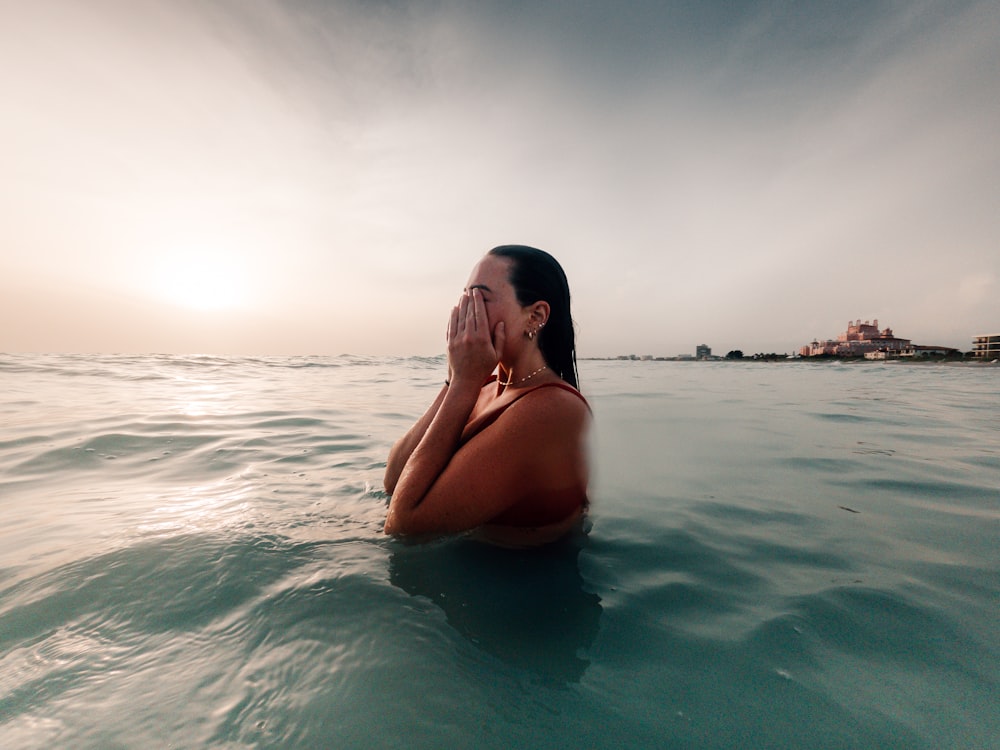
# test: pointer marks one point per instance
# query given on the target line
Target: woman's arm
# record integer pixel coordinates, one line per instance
(472, 356)
(400, 452)
(431, 455)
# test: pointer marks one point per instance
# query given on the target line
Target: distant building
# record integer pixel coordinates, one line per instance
(858, 340)
(914, 351)
(703, 351)
(986, 346)
(917, 350)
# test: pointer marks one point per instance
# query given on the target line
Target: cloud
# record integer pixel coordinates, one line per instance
(711, 170)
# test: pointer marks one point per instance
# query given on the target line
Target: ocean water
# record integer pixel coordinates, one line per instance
(781, 555)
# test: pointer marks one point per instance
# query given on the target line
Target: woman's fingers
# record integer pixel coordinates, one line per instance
(476, 322)
(452, 329)
(468, 313)
(463, 312)
(479, 311)
(472, 348)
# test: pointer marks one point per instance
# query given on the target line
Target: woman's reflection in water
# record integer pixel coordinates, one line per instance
(526, 607)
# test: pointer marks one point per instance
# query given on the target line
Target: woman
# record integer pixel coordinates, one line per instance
(504, 454)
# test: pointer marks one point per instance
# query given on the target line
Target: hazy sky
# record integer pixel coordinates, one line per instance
(306, 177)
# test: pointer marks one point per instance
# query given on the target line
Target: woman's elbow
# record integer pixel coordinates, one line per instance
(400, 522)
(394, 525)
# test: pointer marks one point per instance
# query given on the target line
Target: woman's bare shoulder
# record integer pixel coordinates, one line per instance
(555, 400)
(542, 417)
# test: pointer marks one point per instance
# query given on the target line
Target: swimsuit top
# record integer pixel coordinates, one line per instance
(529, 513)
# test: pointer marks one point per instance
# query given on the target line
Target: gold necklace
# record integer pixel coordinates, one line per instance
(525, 378)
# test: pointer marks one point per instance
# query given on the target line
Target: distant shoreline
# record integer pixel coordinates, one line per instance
(810, 360)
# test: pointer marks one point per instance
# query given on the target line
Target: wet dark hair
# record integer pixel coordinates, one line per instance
(536, 275)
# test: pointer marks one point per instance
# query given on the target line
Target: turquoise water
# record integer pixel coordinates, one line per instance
(781, 555)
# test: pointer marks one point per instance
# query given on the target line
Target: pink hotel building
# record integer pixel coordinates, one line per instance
(859, 339)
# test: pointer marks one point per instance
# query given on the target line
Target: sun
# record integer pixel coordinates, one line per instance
(200, 278)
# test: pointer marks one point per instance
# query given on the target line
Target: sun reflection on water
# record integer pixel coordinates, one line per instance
(205, 507)
(200, 399)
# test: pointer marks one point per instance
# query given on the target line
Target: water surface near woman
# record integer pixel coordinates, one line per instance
(781, 555)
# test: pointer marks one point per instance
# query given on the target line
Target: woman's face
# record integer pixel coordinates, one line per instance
(491, 277)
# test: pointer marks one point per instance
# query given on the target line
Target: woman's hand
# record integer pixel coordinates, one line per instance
(473, 351)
